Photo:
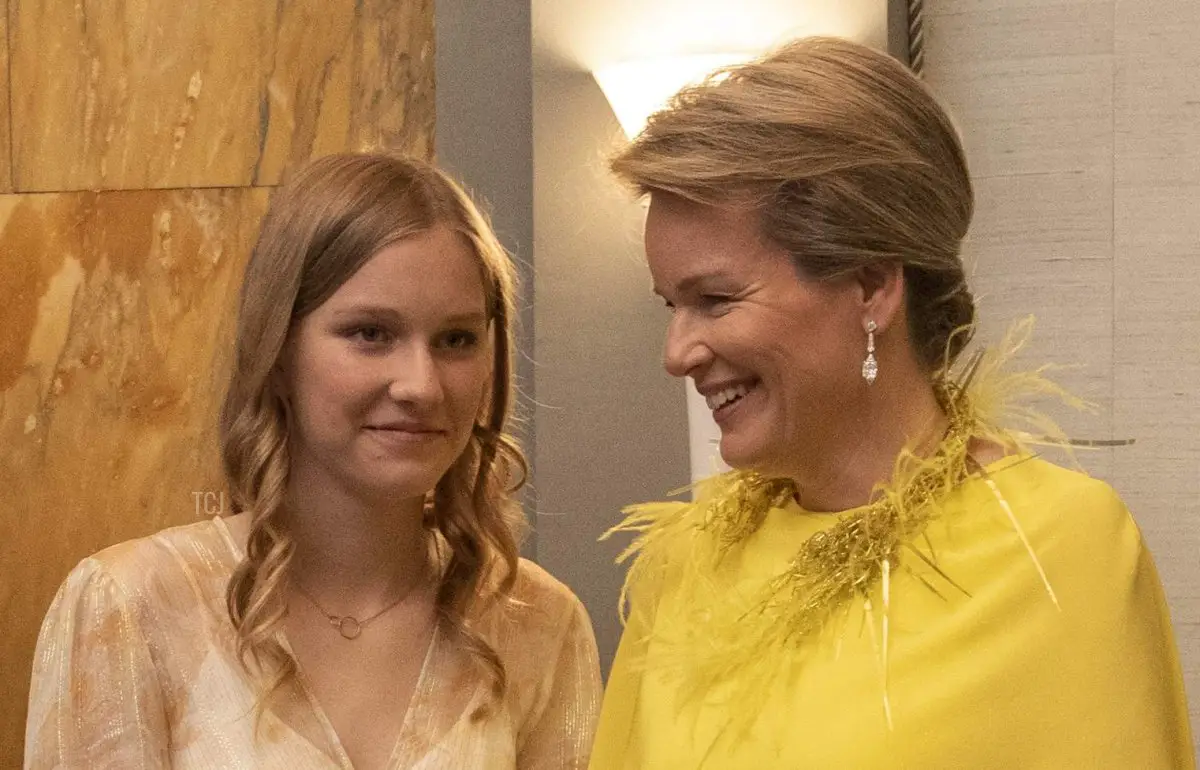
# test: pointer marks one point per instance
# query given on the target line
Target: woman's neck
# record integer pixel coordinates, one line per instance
(349, 552)
(861, 452)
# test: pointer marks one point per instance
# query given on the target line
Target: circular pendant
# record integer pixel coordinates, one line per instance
(348, 627)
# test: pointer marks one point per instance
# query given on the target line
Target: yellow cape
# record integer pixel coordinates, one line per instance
(1023, 625)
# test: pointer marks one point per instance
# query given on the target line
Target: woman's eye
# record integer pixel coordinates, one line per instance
(460, 340)
(715, 300)
(371, 335)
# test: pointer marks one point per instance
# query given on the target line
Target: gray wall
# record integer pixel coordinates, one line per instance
(484, 136)
(1082, 126)
(611, 424)
(604, 426)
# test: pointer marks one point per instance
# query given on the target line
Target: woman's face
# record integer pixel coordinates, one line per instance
(777, 358)
(388, 376)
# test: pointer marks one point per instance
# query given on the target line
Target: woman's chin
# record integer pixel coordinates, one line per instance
(753, 456)
(740, 455)
(390, 490)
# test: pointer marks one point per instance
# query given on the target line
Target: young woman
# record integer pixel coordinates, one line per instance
(366, 606)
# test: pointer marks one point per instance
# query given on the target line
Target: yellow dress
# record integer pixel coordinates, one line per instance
(1076, 669)
(136, 669)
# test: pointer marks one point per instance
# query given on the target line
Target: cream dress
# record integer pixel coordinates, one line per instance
(136, 668)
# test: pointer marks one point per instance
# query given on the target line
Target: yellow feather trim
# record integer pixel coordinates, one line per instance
(719, 643)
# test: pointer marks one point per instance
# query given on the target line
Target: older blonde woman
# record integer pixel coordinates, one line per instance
(366, 607)
(888, 578)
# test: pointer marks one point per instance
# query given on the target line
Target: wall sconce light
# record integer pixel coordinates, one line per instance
(635, 90)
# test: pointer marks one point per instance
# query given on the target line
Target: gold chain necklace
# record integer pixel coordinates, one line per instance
(349, 626)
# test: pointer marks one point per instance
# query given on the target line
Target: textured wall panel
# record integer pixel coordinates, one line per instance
(1082, 123)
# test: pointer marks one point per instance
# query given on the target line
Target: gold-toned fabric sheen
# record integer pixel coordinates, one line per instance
(136, 669)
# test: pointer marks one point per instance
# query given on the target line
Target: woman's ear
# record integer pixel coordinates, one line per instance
(489, 382)
(279, 380)
(280, 376)
(882, 287)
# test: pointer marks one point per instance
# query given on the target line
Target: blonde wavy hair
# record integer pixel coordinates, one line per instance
(322, 226)
(849, 160)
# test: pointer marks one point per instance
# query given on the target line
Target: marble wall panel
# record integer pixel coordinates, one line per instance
(113, 347)
(5, 136)
(142, 141)
(116, 94)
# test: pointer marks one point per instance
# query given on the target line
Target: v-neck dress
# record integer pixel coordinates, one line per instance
(136, 667)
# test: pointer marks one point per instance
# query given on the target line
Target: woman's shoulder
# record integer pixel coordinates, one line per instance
(538, 612)
(1071, 519)
(182, 557)
(536, 592)
(1056, 492)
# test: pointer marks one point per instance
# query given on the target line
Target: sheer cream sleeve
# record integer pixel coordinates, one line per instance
(559, 734)
(95, 700)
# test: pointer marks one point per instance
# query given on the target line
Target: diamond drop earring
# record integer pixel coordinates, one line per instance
(870, 367)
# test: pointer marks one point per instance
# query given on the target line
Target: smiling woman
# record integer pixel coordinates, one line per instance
(364, 605)
(889, 577)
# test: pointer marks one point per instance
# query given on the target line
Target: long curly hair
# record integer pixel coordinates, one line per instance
(322, 226)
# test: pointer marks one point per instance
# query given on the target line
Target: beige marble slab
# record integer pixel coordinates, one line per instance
(113, 337)
(115, 94)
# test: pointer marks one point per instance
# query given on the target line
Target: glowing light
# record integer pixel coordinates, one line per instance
(636, 89)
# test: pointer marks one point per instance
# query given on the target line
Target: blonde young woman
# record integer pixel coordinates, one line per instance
(889, 578)
(366, 608)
